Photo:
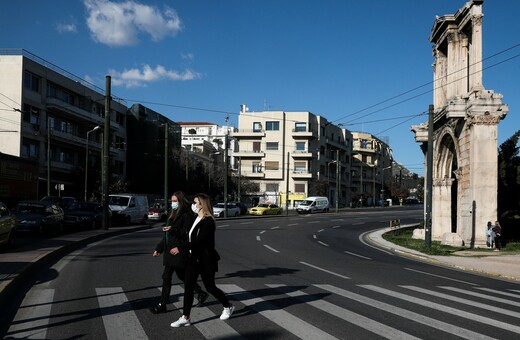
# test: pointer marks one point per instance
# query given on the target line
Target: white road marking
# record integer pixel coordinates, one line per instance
(488, 297)
(278, 316)
(323, 244)
(346, 315)
(406, 314)
(258, 238)
(325, 270)
(271, 249)
(445, 309)
(442, 277)
(118, 317)
(499, 292)
(32, 319)
(354, 254)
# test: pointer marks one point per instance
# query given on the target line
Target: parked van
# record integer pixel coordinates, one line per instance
(313, 204)
(128, 208)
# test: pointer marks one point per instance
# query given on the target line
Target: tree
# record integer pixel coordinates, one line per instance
(509, 175)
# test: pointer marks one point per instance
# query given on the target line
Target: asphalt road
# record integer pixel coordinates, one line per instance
(308, 277)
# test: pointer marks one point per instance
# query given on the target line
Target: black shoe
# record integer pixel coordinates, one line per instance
(158, 309)
(202, 296)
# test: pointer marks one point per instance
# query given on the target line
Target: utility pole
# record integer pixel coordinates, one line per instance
(239, 177)
(166, 166)
(429, 182)
(226, 166)
(106, 146)
(48, 155)
(338, 165)
(287, 187)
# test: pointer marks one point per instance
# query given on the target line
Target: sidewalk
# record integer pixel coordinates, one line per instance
(493, 263)
(18, 264)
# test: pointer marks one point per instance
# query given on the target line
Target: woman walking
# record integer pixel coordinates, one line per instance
(202, 260)
(174, 247)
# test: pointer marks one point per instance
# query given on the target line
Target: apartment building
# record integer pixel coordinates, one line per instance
(292, 155)
(49, 115)
(371, 168)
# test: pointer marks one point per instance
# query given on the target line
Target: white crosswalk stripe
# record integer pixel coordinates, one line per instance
(440, 325)
(465, 301)
(499, 292)
(118, 317)
(445, 309)
(32, 318)
(354, 318)
(212, 327)
(285, 320)
(493, 297)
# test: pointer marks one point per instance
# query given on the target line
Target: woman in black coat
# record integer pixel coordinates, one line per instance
(202, 260)
(174, 247)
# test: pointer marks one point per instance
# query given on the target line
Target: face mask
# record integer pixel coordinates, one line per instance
(175, 205)
(195, 208)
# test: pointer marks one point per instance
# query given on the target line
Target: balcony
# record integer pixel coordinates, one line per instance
(249, 154)
(251, 133)
(300, 133)
(302, 154)
(301, 174)
(255, 174)
(60, 106)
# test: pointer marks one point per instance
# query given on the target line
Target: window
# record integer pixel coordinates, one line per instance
(300, 167)
(257, 127)
(271, 165)
(31, 114)
(257, 167)
(273, 187)
(30, 149)
(272, 126)
(299, 187)
(31, 81)
(300, 127)
(300, 146)
(271, 146)
(256, 147)
(364, 143)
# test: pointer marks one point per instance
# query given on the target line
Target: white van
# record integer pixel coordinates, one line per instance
(313, 204)
(128, 208)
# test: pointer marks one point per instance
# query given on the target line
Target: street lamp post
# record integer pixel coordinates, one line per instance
(86, 159)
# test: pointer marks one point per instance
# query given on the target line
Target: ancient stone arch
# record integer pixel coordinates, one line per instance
(466, 118)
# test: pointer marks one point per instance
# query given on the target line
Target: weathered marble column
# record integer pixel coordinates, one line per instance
(441, 221)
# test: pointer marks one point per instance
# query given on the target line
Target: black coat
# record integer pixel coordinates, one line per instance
(202, 246)
(177, 236)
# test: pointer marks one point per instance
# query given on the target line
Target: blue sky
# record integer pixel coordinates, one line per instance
(197, 60)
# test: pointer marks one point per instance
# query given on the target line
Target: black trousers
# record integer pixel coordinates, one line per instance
(191, 276)
(167, 282)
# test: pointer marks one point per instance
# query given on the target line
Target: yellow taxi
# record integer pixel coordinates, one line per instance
(265, 209)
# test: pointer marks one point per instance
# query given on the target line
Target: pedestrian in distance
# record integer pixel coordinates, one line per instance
(174, 246)
(202, 260)
(490, 236)
(497, 230)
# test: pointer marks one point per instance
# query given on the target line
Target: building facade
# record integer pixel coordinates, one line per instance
(48, 116)
(371, 169)
(292, 155)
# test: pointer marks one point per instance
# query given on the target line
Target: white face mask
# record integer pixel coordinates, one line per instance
(195, 208)
(175, 205)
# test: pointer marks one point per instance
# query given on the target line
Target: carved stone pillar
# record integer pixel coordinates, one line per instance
(441, 208)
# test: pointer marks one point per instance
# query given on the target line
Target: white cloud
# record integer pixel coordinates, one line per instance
(119, 24)
(66, 28)
(141, 77)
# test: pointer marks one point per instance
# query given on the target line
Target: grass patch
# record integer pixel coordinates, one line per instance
(403, 238)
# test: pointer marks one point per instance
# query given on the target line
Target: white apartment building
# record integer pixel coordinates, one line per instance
(47, 110)
(371, 168)
(292, 155)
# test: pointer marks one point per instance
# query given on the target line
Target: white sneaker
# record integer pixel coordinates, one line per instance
(226, 313)
(181, 322)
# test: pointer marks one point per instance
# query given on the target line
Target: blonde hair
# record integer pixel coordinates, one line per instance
(205, 202)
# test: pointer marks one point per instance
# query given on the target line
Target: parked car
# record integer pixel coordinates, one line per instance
(313, 204)
(39, 217)
(242, 207)
(7, 227)
(157, 211)
(128, 208)
(265, 209)
(232, 210)
(63, 202)
(84, 215)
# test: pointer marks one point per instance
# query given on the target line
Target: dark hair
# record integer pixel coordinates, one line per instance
(184, 205)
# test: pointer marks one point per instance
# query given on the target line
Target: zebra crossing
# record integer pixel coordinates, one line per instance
(499, 310)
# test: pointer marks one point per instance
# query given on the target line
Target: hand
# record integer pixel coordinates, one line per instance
(174, 251)
(155, 253)
(164, 228)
